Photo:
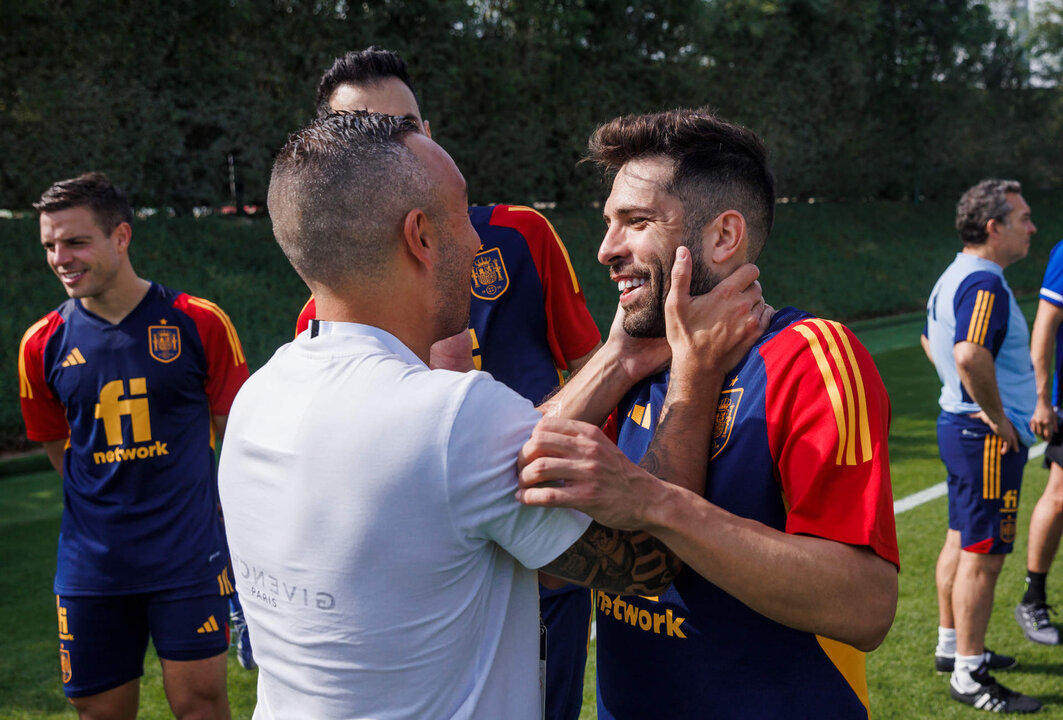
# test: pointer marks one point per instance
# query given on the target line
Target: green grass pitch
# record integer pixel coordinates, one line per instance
(900, 673)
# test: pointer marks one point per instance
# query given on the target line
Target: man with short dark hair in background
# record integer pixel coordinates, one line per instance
(978, 341)
(128, 385)
(528, 323)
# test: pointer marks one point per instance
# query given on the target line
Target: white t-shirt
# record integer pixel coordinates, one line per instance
(380, 554)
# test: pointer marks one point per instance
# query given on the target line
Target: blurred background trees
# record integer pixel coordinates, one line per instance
(856, 99)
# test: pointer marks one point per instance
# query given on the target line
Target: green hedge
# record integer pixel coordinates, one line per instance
(844, 261)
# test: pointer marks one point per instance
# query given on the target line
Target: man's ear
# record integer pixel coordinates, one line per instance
(420, 238)
(727, 235)
(122, 235)
(427, 128)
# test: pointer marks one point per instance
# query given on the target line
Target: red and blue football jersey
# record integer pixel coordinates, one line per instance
(135, 401)
(528, 316)
(799, 444)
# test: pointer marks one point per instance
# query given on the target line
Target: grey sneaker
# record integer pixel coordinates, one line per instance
(1033, 619)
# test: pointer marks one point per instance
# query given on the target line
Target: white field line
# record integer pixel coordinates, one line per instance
(939, 490)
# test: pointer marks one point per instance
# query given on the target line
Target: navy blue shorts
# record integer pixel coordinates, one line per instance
(566, 612)
(983, 484)
(102, 639)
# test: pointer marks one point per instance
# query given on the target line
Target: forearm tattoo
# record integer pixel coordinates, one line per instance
(652, 461)
(618, 561)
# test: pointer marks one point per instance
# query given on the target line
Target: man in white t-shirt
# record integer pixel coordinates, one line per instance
(386, 564)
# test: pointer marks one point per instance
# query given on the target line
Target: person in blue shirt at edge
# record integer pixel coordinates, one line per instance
(528, 322)
(1046, 520)
(977, 339)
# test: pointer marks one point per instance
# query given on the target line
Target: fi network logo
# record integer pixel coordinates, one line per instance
(114, 404)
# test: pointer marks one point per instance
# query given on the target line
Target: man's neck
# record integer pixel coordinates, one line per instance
(118, 300)
(394, 317)
(985, 252)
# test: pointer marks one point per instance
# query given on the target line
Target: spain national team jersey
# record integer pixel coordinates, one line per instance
(135, 401)
(799, 445)
(1052, 291)
(971, 302)
(528, 315)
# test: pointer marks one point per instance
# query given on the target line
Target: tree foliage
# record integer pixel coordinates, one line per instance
(855, 98)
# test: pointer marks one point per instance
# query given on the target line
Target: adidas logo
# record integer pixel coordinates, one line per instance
(987, 702)
(74, 358)
(211, 625)
(641, 415)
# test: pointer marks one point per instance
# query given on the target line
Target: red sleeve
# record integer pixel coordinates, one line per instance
(226, 365)
(828, 419)
(570, 329)
(44, 415)
(308, 313)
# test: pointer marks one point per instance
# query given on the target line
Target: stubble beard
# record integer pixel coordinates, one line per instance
(648, 322)
(452, 291)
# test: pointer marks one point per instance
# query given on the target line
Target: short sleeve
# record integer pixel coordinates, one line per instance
(571, 331)
(828, 418)
(226, 364)
(982, 309)
(44, 415)
(489, 430)
(1052, 284)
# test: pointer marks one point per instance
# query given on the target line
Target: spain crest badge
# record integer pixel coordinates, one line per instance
(489, 277)
(1007, 528)
(164, 342)
(726, 410)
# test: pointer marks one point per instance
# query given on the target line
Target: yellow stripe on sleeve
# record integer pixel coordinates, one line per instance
(25, 390)
(973, 323)
(988, 316)
(829, 382)
(230, 331)
(557, 239)
(983, 311)
(975, 317)
(832, 345)
(850, 411)
(858, 380)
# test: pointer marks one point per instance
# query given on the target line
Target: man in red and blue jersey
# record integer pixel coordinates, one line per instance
(528, 322)
(128, 385)
(790, 545)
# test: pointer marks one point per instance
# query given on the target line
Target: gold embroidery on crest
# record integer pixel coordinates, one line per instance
(489, 276)
(725, 419)
(1007, 529)
(64, 664)
(164, 342)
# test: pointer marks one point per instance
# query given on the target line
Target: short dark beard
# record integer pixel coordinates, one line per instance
(650, 322)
